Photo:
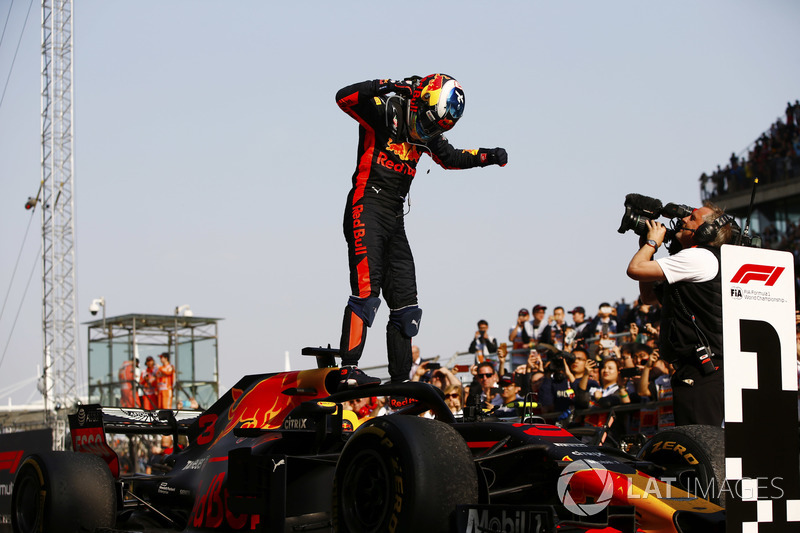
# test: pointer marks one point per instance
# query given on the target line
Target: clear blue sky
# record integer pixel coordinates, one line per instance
(212, 163)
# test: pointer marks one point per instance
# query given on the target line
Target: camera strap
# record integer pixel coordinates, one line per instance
(703, 348)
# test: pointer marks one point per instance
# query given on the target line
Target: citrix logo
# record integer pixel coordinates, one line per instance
(752, 272)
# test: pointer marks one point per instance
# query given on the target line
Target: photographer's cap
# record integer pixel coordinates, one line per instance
(505, 381)
(579, 309)
(523, 311)
(539, 307)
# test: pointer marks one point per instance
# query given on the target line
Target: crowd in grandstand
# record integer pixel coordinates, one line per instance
(773, 157)
(571, 372)
(602, 372)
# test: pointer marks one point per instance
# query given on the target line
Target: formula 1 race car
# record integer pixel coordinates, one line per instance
(278, 452)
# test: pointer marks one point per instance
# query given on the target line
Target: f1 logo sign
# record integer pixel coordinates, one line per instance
(751, 272)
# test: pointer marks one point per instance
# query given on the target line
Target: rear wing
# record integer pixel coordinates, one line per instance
(143, 422)
(89, 425)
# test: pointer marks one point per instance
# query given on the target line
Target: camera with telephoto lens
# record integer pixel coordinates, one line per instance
(640, 208)
(557, 360)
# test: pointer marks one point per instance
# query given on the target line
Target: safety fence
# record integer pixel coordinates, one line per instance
(461, 362)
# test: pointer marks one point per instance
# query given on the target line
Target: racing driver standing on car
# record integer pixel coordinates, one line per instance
(398, 121)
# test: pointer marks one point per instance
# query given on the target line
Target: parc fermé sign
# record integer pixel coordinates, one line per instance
(762, 468)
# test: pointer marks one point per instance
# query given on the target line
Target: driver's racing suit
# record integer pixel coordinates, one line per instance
(378, 251)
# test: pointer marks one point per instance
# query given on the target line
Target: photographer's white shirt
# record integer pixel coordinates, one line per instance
(528, 329)
(694, 265)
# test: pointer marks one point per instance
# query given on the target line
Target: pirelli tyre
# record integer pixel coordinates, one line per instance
(63, 492)
(402, 474)
(693, 455)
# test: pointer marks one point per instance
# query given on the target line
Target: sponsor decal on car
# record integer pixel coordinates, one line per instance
(506, 519)
(196, 464)
(212, 508)
(296, 423)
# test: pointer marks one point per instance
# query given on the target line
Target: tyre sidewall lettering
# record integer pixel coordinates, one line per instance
(667, 445)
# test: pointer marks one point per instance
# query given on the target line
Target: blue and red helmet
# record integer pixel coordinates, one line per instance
(435, 107)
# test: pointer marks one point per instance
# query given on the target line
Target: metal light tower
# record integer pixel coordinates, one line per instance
(59, 323)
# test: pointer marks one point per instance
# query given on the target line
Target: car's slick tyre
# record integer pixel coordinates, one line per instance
(695, 455)
(63, 492)
(403, 474)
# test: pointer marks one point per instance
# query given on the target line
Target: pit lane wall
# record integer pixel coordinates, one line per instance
(14, 447)
(761, 402)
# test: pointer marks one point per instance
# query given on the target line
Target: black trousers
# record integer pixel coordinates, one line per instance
(380, 262)
(698, 398)
(378, 252)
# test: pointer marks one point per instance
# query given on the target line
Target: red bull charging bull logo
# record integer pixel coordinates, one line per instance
(263, 405)
(433, 89)
(404, 151)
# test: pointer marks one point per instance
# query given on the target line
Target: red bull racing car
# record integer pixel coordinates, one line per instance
(279, 453)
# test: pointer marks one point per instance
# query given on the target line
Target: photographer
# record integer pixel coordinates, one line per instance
(579, 321)
(437, 375)
(581, 367)
(642, 314)
(482, 391)
(604, 323)
(483, 344)
(688, 286)
(555, 331)
(535, 363)
(556, 393)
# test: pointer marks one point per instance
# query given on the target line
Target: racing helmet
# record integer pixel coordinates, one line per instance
(437, 104)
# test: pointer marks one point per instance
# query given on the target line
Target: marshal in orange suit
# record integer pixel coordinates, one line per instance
(165, 381)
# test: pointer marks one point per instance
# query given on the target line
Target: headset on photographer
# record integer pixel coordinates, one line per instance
(708, 231)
